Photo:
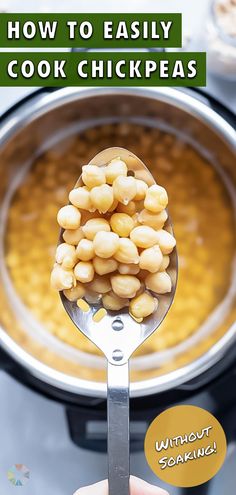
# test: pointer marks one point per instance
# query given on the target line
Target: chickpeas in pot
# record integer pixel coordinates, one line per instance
(184, 190)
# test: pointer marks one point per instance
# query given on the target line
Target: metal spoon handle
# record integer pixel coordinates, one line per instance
(118, 429)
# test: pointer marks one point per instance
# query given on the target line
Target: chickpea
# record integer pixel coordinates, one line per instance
(102, 197)
(125, 286)
(144, 236)
(151, 259)
(154, 220)
(166, 241)
(139, 205)
(88, 215)
(142, 188)
(113, 206)
(165, 263)
(143, 305)
(85, 250)
(124, 189)
(66, 256)
(105, 244)
(114, 169)
(73, 236)
(130, 208)
(127, 251)
(80, 197)
(126, 269)
(156, 199)
(62, 279)
(95, 225)
(84, 271)
(113, 302)
(121, 224)
(103, 266)
(93, 176)
(69, 217)
(159, 282)
(142, 288)
(139, 320)
(143, 274)
(135, 218)
(100, 285)
(75, 292)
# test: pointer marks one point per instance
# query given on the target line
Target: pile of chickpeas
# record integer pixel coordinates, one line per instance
(118, 256)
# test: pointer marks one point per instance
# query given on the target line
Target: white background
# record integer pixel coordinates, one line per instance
(33, 430)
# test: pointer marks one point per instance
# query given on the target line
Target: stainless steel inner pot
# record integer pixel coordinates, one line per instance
(45, 119)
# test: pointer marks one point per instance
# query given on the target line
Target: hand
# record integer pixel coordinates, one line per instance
(137, 487)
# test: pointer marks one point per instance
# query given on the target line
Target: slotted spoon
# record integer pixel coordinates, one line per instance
(118, 335)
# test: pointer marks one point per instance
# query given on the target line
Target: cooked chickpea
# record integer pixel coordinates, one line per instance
(125, 286)
(127, 251)
(103, 266)
(121, 224)
(84, 271)
(89, 215)
(95, 225)
(142, 188)
(142, 287)
(126, 269)
(73, 236)
(85, 250)
(166, 241)
(114, 169)
(66, 256)
(136, 220)
(143, 305)
(75, 292)
(80, 197)
(100, 285)
(124, 189)
(102, 197)
(113, 206)
(159, 282)
(113, 302)
(62, 279)
(144, 236)
(165, 263)
(130, 208)
(105, 244)
(151, 259)
(154, 220)
(156, 199)
(93, 176)
(69, 217)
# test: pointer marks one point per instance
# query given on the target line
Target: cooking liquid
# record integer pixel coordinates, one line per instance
(200, 210)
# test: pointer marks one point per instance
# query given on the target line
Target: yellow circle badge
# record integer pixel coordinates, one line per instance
(185, 446)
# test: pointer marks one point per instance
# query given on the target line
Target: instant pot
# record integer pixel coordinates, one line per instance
(32, 126)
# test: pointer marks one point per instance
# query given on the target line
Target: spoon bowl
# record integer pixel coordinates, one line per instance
(118, 335)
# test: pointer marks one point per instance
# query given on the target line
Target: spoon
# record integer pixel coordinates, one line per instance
(118, 335)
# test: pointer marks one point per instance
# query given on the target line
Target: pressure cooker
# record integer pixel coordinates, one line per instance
(32, 126)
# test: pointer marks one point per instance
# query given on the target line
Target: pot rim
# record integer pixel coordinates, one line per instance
(22, 115)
